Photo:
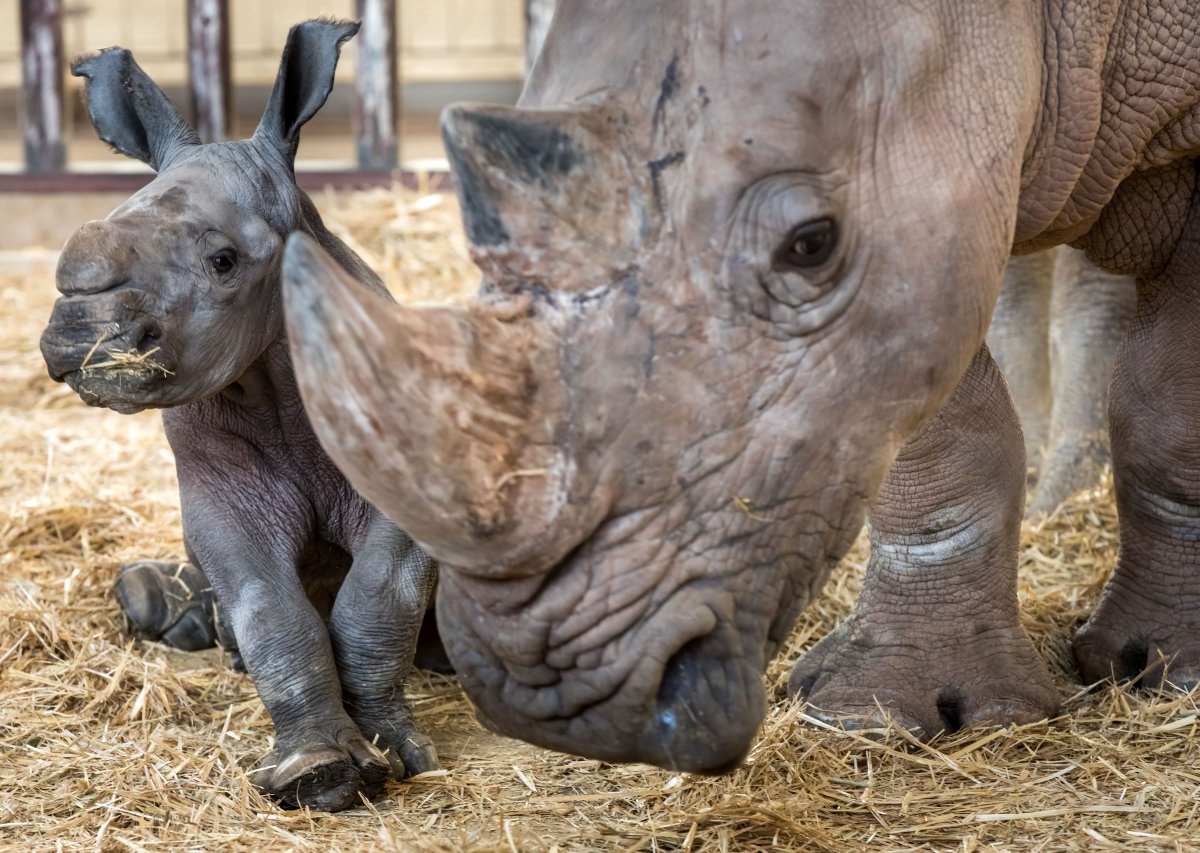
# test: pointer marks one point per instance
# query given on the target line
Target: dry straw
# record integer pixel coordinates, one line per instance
(108, 744)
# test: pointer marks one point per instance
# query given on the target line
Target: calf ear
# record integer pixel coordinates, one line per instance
(129, 111)
(305, 80)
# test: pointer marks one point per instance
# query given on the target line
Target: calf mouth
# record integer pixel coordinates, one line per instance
(111, 365)
(124, 386)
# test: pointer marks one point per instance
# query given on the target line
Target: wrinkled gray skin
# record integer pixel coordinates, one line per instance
(188, 272)
(680, 390)
(1055, 334)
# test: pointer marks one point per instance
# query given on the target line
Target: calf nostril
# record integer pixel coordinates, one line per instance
(151, 333)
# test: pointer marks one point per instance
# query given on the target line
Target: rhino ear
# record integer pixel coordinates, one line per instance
(129, 111)
(305, 80)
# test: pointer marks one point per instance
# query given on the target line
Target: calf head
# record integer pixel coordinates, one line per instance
(734, 254)
(172, 296)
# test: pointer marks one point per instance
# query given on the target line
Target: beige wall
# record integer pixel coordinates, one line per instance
(440, 40)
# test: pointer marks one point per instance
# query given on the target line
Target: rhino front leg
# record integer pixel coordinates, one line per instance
(935, 638)
(1090, 312)
(375, 624)
(320, 759)
(1147, 624)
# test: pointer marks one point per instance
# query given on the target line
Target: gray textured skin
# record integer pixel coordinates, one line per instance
(639, 451)
(1055, 334)
(273, 524)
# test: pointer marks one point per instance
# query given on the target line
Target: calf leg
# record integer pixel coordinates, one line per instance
(1150, 610)
(375, 624)
(173, 603)
(169, 602)
(935, 638)
(320, 759)
(1090, 310)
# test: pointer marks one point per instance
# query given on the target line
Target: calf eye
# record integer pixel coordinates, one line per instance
(806, 246)
(223, 262)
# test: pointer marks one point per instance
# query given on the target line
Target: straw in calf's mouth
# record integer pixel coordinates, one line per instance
(130, 361)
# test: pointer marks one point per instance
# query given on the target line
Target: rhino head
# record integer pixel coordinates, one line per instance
(171, 297)
(733, 256)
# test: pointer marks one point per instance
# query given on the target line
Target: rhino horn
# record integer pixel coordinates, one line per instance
(529, 178)
(437, 415)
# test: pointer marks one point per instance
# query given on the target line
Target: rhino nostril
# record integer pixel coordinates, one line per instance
(949, 708)
(705, 718)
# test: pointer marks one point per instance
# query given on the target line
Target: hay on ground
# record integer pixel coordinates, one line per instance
(109, 744)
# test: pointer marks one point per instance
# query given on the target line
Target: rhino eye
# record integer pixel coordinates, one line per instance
(806, 246)
(223, 262)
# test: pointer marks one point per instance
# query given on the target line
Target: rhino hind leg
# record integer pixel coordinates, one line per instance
(1146, 627)
(1090, 312)
(1019, 340)
(935, 640)
(172, 603)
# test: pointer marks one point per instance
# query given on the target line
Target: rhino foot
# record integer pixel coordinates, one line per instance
(170, 603)
(871, 670)
(323, 773)
(1137, 640)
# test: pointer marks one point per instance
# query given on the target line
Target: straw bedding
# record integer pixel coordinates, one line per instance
(114, 745)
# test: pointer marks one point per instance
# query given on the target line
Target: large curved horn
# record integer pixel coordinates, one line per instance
(440, 416)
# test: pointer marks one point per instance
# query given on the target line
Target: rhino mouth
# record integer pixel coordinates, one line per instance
(680, 688)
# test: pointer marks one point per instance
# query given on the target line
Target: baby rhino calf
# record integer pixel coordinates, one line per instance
(174, 302)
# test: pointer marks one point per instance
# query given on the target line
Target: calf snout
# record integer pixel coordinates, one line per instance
(95, 259)
(69, 344)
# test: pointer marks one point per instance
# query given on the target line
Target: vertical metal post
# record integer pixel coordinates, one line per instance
(537, 21)
(42, 85)
(376, 86)
(208, 68)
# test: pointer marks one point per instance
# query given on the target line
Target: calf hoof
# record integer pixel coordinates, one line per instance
(924, 683)
(1150, 646)
(323, 774)
(408, 751)
(169, 603)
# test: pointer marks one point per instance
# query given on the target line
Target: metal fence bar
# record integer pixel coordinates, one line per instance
(376, 86)
(130, 182)
(42, 85)
(537, 20)
(209, 68)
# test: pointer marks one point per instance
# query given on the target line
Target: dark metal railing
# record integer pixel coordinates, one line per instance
(42, 85)
(376, 102)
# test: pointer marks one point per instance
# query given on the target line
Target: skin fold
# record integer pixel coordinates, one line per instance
(174, 302)
(738, 261)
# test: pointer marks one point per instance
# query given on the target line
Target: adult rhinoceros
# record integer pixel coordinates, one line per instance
(738, 262)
